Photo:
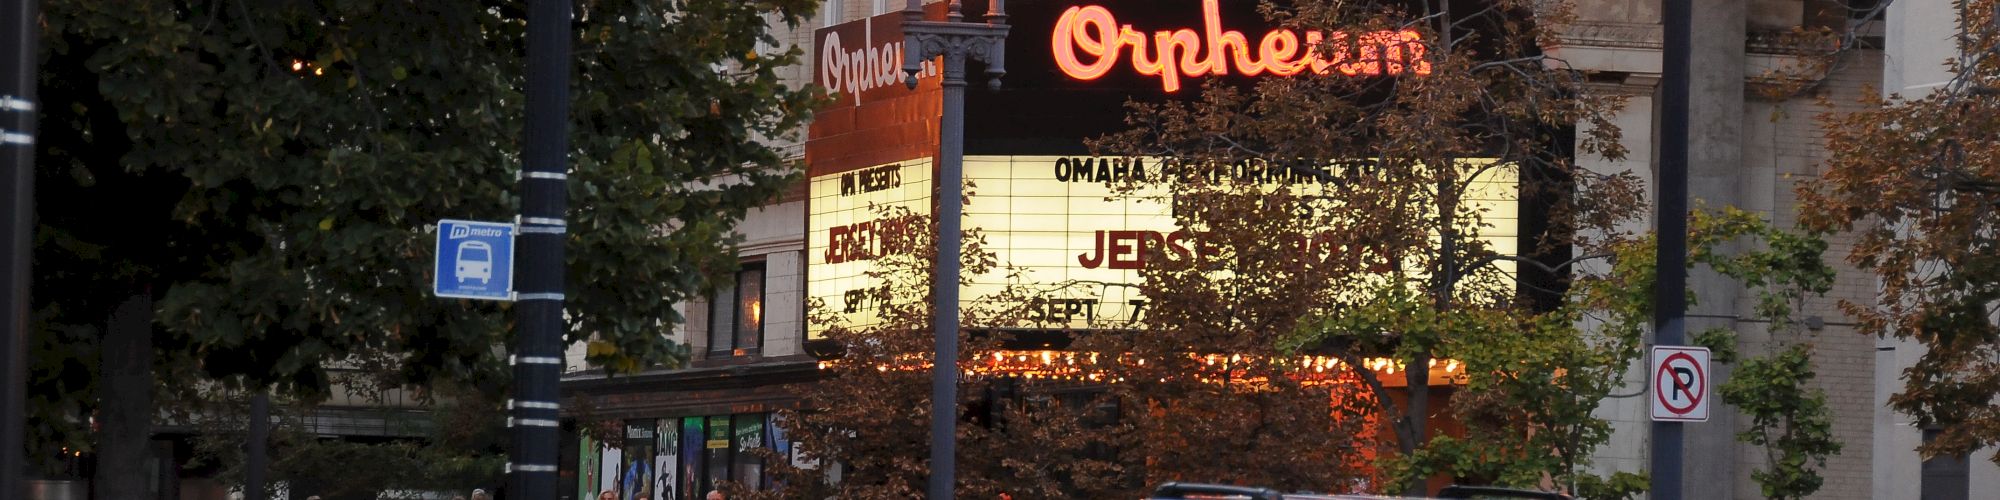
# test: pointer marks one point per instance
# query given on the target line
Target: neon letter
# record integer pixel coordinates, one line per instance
(1074, 30)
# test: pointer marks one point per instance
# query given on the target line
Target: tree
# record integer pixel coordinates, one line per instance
(870, 416)
(270, 177)
(454, 444)
(1787, 418)
(1917, 180)
(1405, 175)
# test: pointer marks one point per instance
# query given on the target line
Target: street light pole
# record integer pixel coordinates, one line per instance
(19, 33)
(1670, 288)
(534, 413)
(956, 41)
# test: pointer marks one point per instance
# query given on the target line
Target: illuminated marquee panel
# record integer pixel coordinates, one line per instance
(1055, 219)
(846, 233)
(1058, 219)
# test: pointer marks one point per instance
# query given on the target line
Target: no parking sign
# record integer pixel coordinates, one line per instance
(1680, 384)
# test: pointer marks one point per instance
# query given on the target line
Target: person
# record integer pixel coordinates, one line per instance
(608, 495)
(715, 495)
(478, 494)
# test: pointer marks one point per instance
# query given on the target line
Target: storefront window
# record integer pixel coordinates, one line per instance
(718, 450)
(749, 468)
(677, 458)
(666, 459)
(690, 471)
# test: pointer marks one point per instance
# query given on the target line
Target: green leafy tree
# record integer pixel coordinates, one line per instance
(1788, 417)
(270, 175)
(452, 442)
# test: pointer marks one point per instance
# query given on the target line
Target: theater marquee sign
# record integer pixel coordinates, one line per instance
(1055, 220)
(851, 225)
(1049, 213)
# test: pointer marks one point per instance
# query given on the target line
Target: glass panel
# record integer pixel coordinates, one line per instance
(610, 461)
(637, 480)
(722, 319)
(666, 461)
(586, 466)
(691, 479)
(749, 436)
(718, 452)
(1944, 477)
(750, 325)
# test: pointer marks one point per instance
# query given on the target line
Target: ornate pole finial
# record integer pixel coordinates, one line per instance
(913, 50)
(996, 12)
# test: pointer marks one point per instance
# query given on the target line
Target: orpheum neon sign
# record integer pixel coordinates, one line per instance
(1088, 42)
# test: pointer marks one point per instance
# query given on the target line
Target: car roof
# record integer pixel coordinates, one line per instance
(1178, 490)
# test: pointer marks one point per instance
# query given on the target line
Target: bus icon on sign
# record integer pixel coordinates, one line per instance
(475, 261)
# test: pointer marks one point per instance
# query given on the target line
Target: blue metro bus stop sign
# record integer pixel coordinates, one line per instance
(475, 260)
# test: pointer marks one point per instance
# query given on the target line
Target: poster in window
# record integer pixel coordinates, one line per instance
(718, 432)
(612, 458)
(586, 486)
(691, 445)
(749, 436)
(637, 481)
(666, 464)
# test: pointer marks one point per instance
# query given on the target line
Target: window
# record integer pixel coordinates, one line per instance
(736, 314)
(830, 13)
(1944, 478)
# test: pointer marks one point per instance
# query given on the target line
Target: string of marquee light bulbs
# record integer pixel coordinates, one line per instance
(1073, 366)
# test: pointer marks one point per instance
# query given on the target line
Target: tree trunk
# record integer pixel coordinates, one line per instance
(1418, 414)
(125, 417)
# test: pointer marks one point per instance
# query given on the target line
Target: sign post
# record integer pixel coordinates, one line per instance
(1670, 290)
(1680, 384)
(20, 28)
(475, 260)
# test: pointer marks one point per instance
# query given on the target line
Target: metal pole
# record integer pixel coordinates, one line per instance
(944, 367)
(17, 189)
(955, 41)
(255, 442)
(537, 359)
(1670, 288)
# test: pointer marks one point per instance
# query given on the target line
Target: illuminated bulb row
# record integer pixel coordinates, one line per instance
(1026, 361)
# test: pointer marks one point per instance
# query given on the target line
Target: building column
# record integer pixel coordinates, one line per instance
(1715, 172)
